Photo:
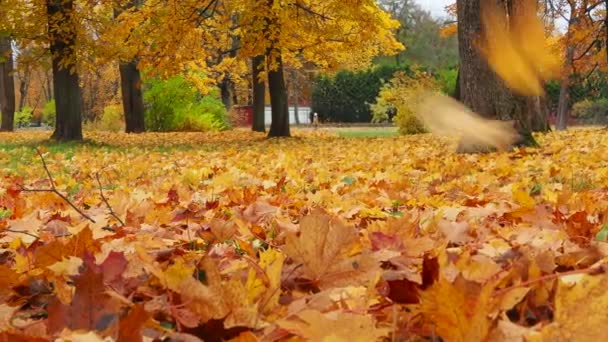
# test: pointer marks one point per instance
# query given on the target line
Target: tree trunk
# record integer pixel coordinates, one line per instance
(564, 89)
(24, 86)
(279, 127)
(7, 85)
(564, 93)
(259, 96)
(65, 81)
(132, 97)
(480, 88)
(226, 94)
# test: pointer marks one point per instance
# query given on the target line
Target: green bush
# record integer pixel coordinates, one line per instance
(346, 96)
(176, 105)
(49, 113)
(588, 109)
(447, 79)
(24, 116)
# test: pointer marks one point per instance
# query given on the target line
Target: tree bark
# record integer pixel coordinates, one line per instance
(130, 86)
(132, 97)
(259, 96)
(65, 77)
(279, 127)
(563, 103)
(226, 93)
(7, 85)
(564, 93)
(482, 90)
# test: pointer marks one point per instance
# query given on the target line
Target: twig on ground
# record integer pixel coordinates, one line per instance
(54, 190)
(105, 200)
(552, 276)
(21, 232)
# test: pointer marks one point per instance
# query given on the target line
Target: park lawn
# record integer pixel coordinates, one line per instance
(397, 219)
(367, 132)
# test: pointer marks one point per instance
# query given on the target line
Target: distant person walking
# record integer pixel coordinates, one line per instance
(315, 120)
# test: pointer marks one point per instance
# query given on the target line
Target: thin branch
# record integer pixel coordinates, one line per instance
(21, 232)
(589, 270)
(54, 190)
(105, 200)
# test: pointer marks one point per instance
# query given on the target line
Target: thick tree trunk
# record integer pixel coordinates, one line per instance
(480, 88)
(259, 95)
(130, 85)
(7, 85)
(226, 93)
(279, 127)
(65, 81)
(132, 97)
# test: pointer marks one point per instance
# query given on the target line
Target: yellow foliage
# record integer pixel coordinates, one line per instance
(517, 48)
(404, 93)
(318, 237)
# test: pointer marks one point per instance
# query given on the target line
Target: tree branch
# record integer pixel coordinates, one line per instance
(54, 190)
(105, 200)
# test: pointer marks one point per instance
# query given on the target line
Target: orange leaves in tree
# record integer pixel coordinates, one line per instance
(516, 47)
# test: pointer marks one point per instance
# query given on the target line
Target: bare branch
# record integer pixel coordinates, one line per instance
(105, 200)
(54, 190)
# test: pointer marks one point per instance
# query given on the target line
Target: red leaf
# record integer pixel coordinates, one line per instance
(91, 308)
(130, 326)
(113, 267)
(383, 241)
(13, 337)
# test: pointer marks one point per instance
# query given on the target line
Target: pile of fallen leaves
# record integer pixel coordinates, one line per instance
(186, 237)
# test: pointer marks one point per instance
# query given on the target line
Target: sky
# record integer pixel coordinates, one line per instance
(436, 7)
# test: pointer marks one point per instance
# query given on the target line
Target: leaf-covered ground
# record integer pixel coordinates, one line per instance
(233, 236)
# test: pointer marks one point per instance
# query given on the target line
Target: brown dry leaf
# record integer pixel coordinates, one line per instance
(322, 248)
(444, 116)
(457, 311)
(91, 308)
(8, 278)
(334, 326)
(580, 309)
(129, 327)
(508, 331)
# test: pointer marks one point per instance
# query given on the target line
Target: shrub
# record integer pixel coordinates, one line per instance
(402, 94)
(346, 96)
(112, 118)
(49, 113)
(447, 79)
(590, 109)
(175, 105)
(24, 116)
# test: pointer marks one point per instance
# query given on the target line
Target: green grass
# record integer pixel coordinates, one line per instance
(368, 133)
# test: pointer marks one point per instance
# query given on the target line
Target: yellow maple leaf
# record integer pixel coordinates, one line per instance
(322, 248)
(517, 50)
(580, 309)
(457, 312)
(334, 326)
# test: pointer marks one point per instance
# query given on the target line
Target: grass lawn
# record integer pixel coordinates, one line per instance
(367, 132)
(210, 216)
